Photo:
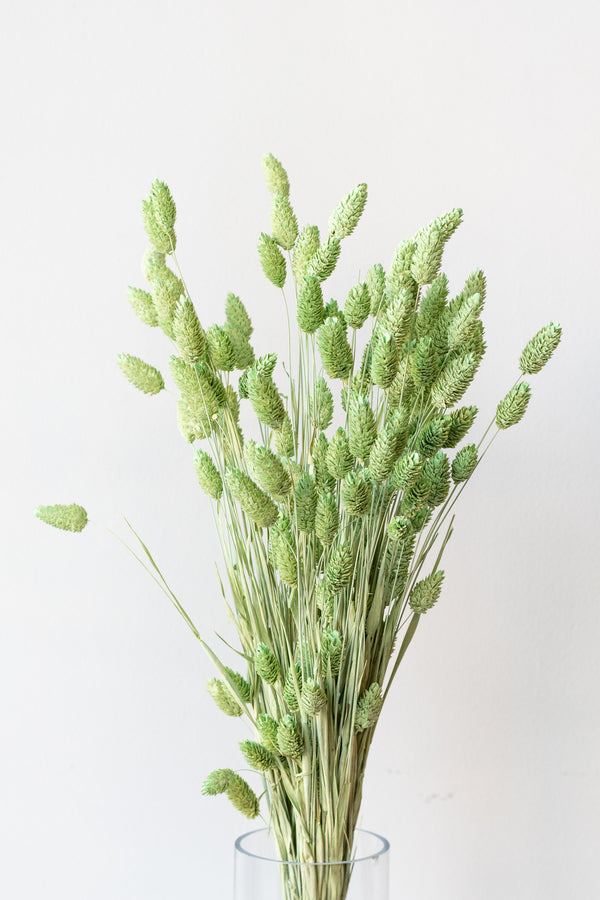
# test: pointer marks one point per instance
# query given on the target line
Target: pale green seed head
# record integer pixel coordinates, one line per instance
(310, 311)
(324, 481)
(257, 756)
(384, 364)
(220, 349)
(512, 409)
(223, 698)
(426, 592)
(242, 797)
(357, 306)
(324, 260)
(356, 494)
(340, 568)
(267, 729)
(237, 316)
(271, 260)
(399, 528)
(436, 472)
(188, 332)
(141, 375)
(347, 213)
(306, 246)
(313, 698)
(327, 518)
(293, 688)
(461, 421)
(375, 282)
(453, 381)
(275, 175)
(362, 428)
(284, 438)
(289, 738)
(464, 463)
(143, 306)
(217, 782)
(257, 505)
(406, 471)
(540, 348)
(306, 503)
(399, 281)
(321, 405)
(368, 708)
(267, 666)
(284, 225)
(339, 458)
(208, 476)
(67, 517)
(335, 351)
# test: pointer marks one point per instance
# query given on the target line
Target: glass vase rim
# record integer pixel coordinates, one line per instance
(383, 849)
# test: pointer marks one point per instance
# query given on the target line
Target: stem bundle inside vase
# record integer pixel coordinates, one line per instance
(334, 515)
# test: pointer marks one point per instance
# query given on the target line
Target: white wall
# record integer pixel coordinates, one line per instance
(485, 772)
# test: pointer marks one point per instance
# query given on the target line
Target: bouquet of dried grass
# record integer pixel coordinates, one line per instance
(334, 517)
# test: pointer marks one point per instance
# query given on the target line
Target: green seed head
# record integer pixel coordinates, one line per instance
(356, 494)
(540, 348)
(266, 664)
(271, 260)
(242, 796)
(289, 738)
(284, 225)
(368, 708)
(347, 213)
(141, 375)
(426, 592)
(512, 409)
(67, 517)
(464, 463)
(357, 306)
(208, 476)
(257, 756)
(275, 175)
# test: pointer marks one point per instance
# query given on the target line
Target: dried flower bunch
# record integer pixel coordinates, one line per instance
(335, 515)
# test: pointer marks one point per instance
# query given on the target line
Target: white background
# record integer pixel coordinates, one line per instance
(485, 771)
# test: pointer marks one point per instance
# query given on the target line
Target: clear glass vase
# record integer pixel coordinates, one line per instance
(259, 875)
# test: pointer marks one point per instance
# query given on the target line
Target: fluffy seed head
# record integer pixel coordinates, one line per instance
(512, 409)
(356, 494)
(357, 306)
(257, 756)
(142, 375)
(67, 517)
(368, 708)
(271, 260)
(339, 457)
(257, 505)
(326, 518)
(540, 348)
(284, 225)
(275, 175)
(347, 213)
(464, 463)
(313, 698)
(310, 311)
(143, 306)
(208, 477)
(336, 353)
(266, 664)
(242, 796)
(426, 592)
(289, 738)
(306, 246)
